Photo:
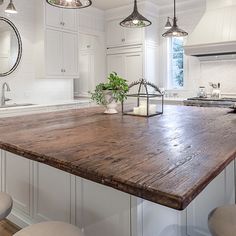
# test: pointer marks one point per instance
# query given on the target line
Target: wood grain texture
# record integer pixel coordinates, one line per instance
(167, 159)
(7, 228)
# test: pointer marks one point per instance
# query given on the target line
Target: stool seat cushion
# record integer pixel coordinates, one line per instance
(5, 205)
(50, 229)
(222, 221)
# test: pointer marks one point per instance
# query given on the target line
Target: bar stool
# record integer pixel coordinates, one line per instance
(222, 221)
(5, 205)
(50, 228)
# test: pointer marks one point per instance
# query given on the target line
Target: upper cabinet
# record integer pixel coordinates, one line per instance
(61, 18)
(119, 36)
(57, 42)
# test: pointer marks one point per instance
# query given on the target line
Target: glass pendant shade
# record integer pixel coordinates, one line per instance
(135, 20)
(174, 31)
(11, 8)
(70, 4)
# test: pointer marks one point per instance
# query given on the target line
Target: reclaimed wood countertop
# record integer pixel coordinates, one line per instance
(166, 159)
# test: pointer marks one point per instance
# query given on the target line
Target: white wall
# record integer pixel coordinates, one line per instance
(196, 73)
(25, 87)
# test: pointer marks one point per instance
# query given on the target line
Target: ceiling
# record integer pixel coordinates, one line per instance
(108, 4)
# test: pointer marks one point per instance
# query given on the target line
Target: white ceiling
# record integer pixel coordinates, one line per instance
(108, 4)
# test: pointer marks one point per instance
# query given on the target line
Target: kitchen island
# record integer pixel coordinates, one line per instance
(158, 172)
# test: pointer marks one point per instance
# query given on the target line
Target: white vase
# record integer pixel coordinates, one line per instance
(111, 103)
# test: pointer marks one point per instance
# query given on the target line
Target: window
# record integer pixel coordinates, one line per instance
(175, 63)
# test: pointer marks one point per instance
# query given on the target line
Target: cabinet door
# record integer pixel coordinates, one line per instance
(54, 65)
(221, 191)
(53, 16)
(133, 36)
(133, 67)
(86, 42)
(52, 194)
(17, 181)
(105, 211)
(116, 63)
(70, 54)
(69, 20)
(86, 78)
(115, 34)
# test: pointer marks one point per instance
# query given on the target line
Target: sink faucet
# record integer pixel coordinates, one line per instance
(5, 87)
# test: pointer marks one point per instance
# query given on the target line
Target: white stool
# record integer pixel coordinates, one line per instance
(5, 205)
(222, 221)
(50, 228)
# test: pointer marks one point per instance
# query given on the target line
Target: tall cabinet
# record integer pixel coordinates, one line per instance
(57, 42)
(132, 53)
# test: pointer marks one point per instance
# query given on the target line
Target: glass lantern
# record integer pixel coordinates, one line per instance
(148, 101)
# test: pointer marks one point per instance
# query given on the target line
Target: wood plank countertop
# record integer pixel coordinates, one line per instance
(166, 159)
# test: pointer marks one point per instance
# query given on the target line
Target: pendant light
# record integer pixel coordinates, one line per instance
(174, 31)
(135, 20)
(70, 4)
(11, 8)
(168, 24)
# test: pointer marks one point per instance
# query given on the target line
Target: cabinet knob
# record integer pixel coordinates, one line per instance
(123, 40)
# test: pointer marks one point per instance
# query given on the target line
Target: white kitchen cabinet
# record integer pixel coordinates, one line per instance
(54, 53)
(134, 63)
(92, 63)
(61, 18)
(221, 191)
(70, 54)
(52, 194)
(56, 46)
(41, 192)
(116, 63)
(105, 211)
(128, 65)
(120, 36)
(61, 54)
(17, 181)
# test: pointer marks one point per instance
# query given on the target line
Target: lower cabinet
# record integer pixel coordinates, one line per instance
(221, 191)
(52, 194)
(102, 210)
(17, 180)
(43, 193)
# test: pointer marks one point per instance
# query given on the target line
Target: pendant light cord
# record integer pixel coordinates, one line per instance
(174, 8)
(135, 5)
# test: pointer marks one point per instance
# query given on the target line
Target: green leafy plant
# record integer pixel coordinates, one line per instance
(116, 86)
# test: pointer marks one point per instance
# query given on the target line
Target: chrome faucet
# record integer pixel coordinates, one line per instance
(5, 87)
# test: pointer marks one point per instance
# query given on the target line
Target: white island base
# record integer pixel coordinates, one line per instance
(44, 193)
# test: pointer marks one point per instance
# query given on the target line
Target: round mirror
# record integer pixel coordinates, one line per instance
(10, 47)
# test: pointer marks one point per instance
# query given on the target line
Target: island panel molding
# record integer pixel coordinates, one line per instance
(168, 160)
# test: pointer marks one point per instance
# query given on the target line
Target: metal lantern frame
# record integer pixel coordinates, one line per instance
(144, 95)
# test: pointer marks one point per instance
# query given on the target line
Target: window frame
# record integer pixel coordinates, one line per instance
(170, 70)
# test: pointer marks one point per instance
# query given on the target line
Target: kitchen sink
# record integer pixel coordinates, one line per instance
(16, 105)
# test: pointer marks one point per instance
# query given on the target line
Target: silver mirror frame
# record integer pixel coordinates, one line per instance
(19, 47)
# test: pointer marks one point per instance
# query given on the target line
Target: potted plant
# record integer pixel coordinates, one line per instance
(110, 93)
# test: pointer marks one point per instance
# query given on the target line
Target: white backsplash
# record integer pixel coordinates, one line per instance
(223, 72)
